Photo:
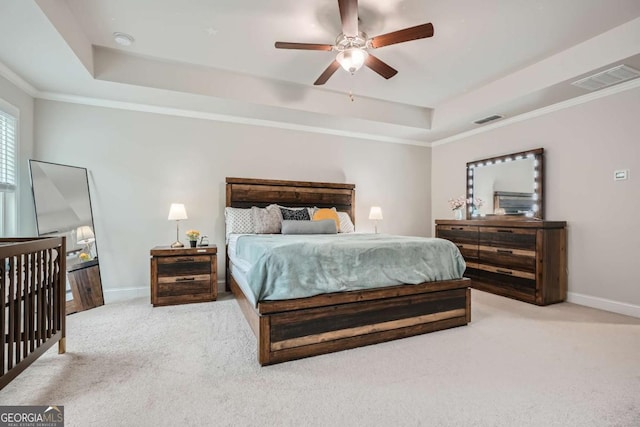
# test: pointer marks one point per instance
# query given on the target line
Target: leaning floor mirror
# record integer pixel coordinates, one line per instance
(63, 208)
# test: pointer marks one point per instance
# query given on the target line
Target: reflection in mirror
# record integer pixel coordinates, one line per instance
(507, 186)
(63, 208)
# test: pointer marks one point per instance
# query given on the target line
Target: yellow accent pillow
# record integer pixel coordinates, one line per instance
(327, 214)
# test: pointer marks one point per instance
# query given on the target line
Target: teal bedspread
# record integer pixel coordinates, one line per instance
(296, 266)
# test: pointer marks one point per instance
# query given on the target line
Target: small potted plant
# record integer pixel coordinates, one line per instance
(193, 237)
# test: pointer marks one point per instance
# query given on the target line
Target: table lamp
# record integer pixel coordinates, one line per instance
(177, 212)
(375, 214)
(85, 236)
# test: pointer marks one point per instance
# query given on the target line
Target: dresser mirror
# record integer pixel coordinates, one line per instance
(506, 187)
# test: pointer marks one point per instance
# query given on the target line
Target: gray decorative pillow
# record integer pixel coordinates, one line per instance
(266, 220)
(295, 214)
(323, 226)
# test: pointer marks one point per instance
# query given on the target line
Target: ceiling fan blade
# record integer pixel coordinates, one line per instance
(304, 46)
(408, 34)
(328, 72)
(380, 67)
(349, 17)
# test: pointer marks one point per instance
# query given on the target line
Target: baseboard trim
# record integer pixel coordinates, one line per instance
(115, 295)
(604, 304)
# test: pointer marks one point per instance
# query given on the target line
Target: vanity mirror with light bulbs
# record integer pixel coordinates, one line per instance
(508, 246)
(507, 187)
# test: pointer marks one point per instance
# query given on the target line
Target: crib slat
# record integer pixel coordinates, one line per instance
(50, 292)
(25, 307)
(12, 313)
(38, 299)
(19, 302)
(32, 302)
(3, 294)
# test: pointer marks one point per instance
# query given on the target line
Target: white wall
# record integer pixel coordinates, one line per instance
(583, 146)
(19, 99)
(139, 163)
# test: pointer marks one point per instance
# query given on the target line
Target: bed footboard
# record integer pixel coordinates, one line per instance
(293, 329)
(32, 304)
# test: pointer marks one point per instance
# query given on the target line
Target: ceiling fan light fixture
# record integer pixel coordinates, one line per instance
(352, 59)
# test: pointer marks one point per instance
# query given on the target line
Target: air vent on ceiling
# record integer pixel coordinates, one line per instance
(608, 77)
(488, 119)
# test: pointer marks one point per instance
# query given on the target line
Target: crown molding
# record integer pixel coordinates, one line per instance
(14, 78)
(148, 108)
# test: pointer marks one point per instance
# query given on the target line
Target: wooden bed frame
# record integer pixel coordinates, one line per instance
(297, 328)
(32, 304)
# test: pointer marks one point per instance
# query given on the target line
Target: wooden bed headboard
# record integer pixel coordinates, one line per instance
(247, 192)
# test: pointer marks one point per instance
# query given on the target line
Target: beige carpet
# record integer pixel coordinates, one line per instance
(129, 364)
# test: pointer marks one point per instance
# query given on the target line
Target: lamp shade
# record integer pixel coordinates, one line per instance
(375, 213)
(177, 211)
(84, 235)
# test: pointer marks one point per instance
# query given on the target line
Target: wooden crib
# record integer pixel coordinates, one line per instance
(32, 304)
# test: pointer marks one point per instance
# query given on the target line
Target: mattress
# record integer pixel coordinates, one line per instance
(277, 267)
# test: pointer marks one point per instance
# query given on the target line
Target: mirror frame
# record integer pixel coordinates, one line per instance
(87, 274)
(538, 180)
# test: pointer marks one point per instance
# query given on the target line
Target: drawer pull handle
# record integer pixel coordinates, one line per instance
(184, 259)
(504, 251)
(504, 231)
(185, 279)
(503, 271)
(460, 246)
(457, 228)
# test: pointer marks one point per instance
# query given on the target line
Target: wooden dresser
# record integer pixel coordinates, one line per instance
(183, 275)
(521, 259)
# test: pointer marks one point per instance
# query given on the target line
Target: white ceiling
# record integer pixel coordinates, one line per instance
(216, 59)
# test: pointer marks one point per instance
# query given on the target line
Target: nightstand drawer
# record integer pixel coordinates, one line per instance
(184, 287)
(184, 265)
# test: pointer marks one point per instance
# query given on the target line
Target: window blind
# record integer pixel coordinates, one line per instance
(7, 151)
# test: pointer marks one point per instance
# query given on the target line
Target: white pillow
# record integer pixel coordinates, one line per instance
(346, 226)
(238, 221)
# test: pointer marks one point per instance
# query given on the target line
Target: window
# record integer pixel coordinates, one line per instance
(8, 172)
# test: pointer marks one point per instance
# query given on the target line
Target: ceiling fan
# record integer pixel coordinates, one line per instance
(353, 45)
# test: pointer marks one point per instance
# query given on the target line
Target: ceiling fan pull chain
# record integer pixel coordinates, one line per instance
(351, 98)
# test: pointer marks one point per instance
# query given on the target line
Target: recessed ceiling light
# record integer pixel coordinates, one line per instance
(123, 39)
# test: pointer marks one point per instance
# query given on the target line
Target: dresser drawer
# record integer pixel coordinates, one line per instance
(184, 265)
(462, 234)
(505, 284)
(464, 237)
(507, 272)
(508, 238)
(518, 259)
(469, 252)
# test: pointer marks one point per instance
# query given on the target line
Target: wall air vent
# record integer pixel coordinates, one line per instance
(609, 77)
(488, 119)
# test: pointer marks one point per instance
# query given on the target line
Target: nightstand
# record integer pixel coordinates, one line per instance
(183, 275)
